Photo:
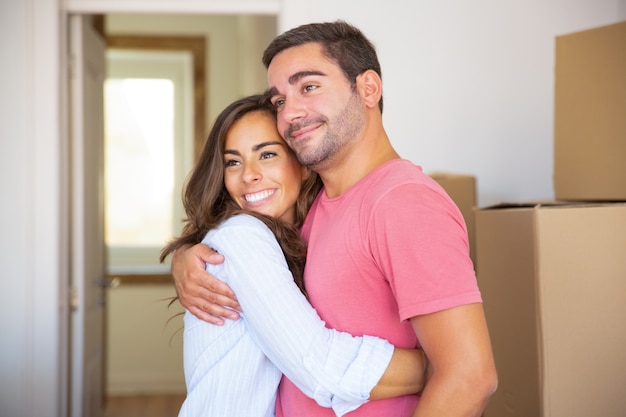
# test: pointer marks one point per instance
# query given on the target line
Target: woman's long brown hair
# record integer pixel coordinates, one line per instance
(207, 202)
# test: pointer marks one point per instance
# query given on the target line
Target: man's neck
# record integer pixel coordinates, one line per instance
(356, 163)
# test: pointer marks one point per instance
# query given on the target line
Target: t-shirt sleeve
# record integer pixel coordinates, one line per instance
(419, 239)
(334, 368)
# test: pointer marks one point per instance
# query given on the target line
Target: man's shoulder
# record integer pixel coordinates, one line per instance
(401, 183)
(397, 173)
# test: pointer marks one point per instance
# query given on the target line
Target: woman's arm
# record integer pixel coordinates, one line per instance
(330, 366)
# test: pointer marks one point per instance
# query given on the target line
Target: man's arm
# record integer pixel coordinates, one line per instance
(198, 291)
(463, 375)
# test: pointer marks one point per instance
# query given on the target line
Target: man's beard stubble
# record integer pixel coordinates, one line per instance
(341, 131)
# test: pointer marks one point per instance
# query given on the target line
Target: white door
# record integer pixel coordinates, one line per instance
(87, 261)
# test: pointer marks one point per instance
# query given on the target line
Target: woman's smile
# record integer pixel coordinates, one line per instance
(259, 197)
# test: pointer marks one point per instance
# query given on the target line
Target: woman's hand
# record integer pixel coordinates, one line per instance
(201, 293)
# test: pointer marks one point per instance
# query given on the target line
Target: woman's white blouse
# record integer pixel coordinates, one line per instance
(234, 370)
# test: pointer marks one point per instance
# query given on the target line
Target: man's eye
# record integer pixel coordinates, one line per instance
(278, 102)
(309, 87)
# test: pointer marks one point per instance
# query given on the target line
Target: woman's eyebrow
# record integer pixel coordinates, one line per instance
(255, 148)
(264, 144)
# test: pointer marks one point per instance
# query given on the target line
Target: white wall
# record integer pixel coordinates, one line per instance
(468, 85)
(144, 341)
(33, 223)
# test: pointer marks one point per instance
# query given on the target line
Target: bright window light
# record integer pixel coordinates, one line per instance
(139, 167)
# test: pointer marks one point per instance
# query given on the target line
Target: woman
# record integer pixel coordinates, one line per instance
(246, 198)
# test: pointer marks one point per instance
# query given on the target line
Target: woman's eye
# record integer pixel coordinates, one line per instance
(230, 163)
(267, 155)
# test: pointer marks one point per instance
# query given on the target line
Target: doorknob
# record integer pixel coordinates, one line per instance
(110, 282)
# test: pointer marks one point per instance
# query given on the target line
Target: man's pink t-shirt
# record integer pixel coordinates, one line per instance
(392, 247)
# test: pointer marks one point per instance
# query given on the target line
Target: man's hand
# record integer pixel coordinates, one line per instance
(198, 291)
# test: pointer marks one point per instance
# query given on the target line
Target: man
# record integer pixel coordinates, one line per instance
(388, 252)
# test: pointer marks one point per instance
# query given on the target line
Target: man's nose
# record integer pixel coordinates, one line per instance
(293, 110)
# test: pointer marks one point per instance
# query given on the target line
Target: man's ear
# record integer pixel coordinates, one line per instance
(370, 86)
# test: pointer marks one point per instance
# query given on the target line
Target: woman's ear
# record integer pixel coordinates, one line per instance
(370, 86)
(306, 173)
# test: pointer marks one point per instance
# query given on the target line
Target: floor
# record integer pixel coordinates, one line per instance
(143, 405)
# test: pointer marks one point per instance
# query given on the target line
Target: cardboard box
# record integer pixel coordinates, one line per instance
(553, 280)
(590, 115)
(462, 190)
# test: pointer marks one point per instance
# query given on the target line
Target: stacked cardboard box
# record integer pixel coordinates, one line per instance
(553, 274)
(462, 190)
(590, 115)
(553, 280)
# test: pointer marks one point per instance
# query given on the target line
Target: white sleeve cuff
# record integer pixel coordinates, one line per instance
(349, 374)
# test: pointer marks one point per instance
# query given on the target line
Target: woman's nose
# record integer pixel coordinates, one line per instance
(251, 173)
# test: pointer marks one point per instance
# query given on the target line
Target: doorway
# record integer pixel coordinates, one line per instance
(234, 44)
(154, 121)
(159, 369)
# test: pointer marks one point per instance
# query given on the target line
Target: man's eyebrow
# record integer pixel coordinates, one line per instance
(273, 91)
(299, 75)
